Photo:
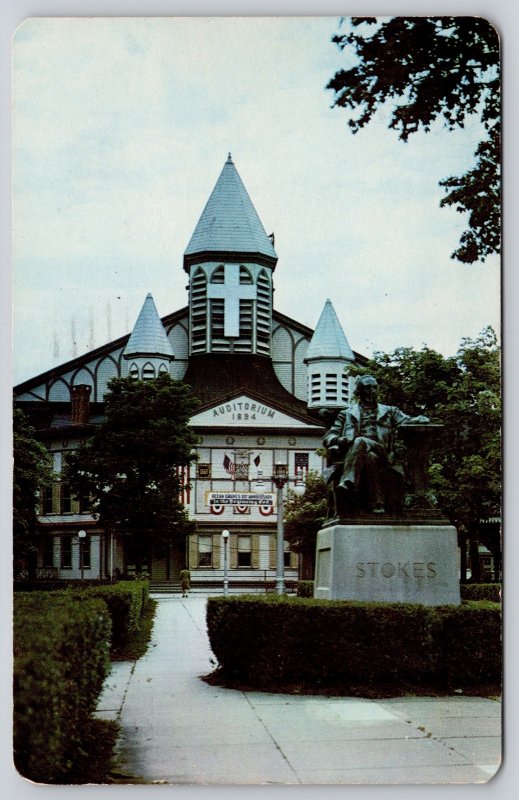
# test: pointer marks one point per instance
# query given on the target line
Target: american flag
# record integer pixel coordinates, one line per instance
(229, 466)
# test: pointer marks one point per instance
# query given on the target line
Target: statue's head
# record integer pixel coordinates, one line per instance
(366, 390)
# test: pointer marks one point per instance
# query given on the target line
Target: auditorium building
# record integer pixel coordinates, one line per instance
(261, 379)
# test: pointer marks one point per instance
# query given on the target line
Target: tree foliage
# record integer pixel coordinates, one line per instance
(130, 467)
(31, 471)
(304, 516)
(432, 68)
(464, 393)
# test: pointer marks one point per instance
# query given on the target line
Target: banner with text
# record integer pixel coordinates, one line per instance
(266, 499)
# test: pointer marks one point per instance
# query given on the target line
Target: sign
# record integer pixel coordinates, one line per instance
(243, 411)
(203, 470)
(265, 500)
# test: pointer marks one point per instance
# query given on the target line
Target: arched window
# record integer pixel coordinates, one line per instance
(163, 368)
(199, 311)
(148, 371)
(218, 275)
(263, 313)
(133, 372)
(245, 276)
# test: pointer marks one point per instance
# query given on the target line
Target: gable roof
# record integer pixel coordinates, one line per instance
(329, 340)
(229, 222)
(148, 336)
(217, 378)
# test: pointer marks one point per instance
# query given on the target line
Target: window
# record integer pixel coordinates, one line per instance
(331, 388)
(198, 306)
(218, 275)
(263, 313)
(46, 500)
(244, 551)
(245, 276)
(148, 371)
(205, 551)
(217, 312)
(301, 462)
(65, 499)
(84, 504)
(134, 371)
(286, 554)
(87, 557)
(345, 388)
(48, 551)
(315, 387)
(66, 552)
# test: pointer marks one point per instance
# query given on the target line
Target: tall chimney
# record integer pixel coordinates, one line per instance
(80, 399)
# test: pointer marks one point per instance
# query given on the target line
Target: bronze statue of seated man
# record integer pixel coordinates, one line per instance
(363, 471)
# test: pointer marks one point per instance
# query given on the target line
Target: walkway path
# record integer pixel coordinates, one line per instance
(177, 729)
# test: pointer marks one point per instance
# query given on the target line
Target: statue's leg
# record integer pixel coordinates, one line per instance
(353, 465)
(374, 470)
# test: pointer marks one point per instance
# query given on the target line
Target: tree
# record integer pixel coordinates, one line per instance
(130, 467)
(32, 471)
(304, 517)
(433, 68)
(464, 393)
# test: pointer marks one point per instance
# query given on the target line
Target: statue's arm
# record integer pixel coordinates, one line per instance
(331, 439)
(400, 418)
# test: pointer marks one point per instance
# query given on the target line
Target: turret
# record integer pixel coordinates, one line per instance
(329, 357)
(148, 352)
(230, 261)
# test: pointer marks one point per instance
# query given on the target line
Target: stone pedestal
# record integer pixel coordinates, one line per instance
(391, 563)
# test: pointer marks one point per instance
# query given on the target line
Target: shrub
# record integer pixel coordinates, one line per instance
(481, 591)
(305, 589)
(126, 600)
(274, 640)
(60, 662)
(471, 644)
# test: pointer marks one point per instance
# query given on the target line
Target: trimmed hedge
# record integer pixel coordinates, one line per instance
(305, 589)
(266, 641)
(481, 591)
(61, 659)
(126, 601)
(469, 591)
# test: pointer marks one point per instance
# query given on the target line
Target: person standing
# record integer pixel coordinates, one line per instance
(185, 581)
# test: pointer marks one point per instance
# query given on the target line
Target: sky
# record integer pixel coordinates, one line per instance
(121, 128)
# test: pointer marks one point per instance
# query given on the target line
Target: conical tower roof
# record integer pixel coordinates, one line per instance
(329, 340)
(229, 222)
(148, 336)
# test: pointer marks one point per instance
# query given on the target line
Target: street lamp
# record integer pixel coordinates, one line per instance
(279, 478)
(299, 486)
(225, 538)
(81, 537)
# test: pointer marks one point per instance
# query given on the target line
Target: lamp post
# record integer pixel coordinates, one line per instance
(81, 537)
(279, 480)
(225, 538)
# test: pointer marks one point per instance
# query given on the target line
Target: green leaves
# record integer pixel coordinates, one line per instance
(463, 393)
(32, 470)
(424, 70)
(132, 465)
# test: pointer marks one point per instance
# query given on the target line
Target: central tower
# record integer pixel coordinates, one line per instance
(230, 261)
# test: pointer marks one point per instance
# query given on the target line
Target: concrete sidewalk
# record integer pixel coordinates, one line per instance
(177, 729)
